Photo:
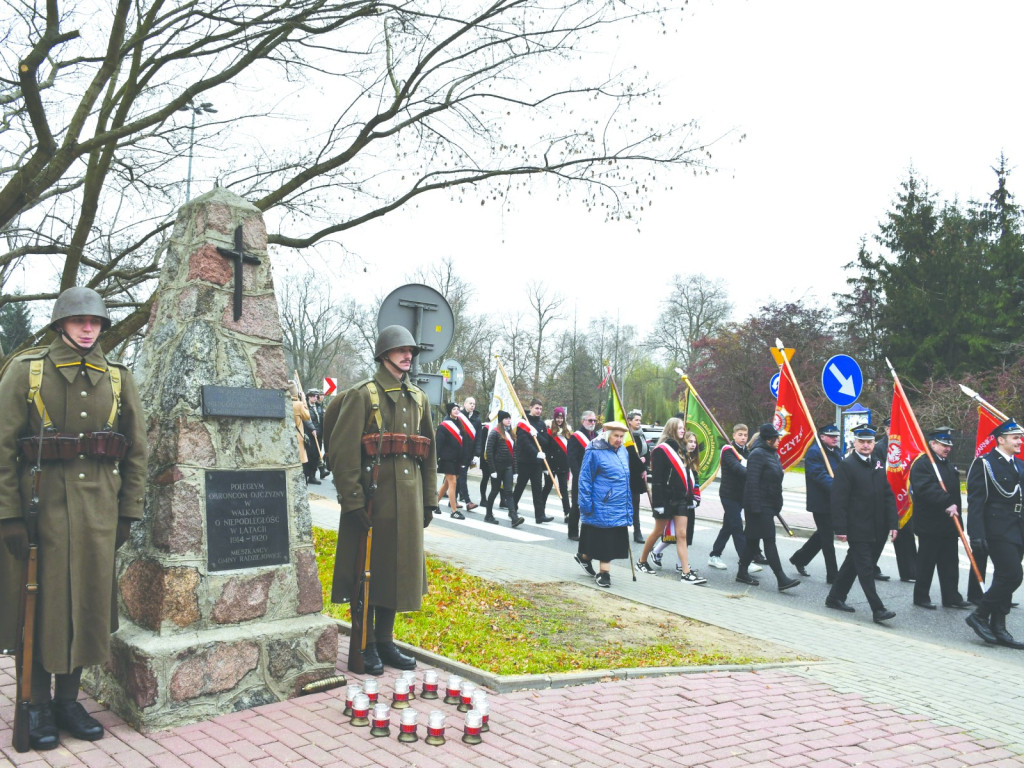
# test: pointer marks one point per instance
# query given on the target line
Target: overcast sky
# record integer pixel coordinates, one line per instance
(836, 101)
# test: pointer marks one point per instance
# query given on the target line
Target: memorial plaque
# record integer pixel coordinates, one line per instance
(245, 402)
(246, 518)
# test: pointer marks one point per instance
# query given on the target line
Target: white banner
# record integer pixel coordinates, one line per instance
(503, 399)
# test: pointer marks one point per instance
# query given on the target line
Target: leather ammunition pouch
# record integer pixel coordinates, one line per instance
(110, 446)
(396, 444)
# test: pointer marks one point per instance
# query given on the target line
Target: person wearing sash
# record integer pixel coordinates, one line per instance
(676, 495)
(605, 508)
(996, 527)
(472, 444)
(577, 445)
(559, 435)
(762, 501)
(818, 481)
(449, 442)
(531, 432)
(500, 457)
(730, 492)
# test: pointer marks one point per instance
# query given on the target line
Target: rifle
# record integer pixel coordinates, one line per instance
(27, 612)
(360, 605)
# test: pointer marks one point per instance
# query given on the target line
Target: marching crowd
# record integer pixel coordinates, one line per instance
(600, 477)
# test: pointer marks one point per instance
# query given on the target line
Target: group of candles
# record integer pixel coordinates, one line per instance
(360, 698)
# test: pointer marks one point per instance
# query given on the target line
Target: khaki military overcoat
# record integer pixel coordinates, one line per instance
(404, 486)
(80, 502)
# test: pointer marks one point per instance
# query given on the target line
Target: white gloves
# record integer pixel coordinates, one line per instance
(533, 430)
(494, 475)
(541, 455)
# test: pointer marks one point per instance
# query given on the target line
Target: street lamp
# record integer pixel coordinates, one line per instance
(196, 109)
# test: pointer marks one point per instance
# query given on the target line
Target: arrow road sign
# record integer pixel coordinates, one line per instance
(773, 385)
(842, 380)
(330, 386)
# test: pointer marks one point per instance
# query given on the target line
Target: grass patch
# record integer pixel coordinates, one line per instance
(529, 628)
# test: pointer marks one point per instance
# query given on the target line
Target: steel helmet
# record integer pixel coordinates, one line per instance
(392, 337)
(79, 301)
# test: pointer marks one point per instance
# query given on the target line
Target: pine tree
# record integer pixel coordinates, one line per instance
(15, 325)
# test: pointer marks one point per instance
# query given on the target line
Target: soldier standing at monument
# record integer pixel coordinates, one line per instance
(403, 502)
(94, 474)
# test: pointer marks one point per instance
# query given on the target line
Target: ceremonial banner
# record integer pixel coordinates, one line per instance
(503, 399)
(985, 442)
(710, 439)
(615, 412)
(905, 445)
(791, 420)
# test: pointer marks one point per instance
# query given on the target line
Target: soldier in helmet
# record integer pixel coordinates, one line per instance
(93, 455)
(389, 407)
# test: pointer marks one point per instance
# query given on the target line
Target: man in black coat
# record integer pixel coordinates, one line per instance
(864, 516)
(995, 526)
(472, 437)
(577, 445)
(935, 508)
(818, 478)
(529, 434)
(903, 546)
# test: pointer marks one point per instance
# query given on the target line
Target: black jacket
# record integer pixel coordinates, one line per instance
(470, 439)
(669, 490)
(637, 483)
(558, 459)
(818, 480)
(526, 448)
(498, 456)
(734, 474)
(449, 449)
(930, 501)
(990, 514)
(762, 493)
(576, 449)
(863, 507)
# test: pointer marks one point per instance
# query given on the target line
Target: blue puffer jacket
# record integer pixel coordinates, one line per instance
(605, 501)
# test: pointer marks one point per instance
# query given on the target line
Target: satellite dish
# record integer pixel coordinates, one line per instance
(426, 314)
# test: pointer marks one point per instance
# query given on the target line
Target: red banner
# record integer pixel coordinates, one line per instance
(987, 421)
(905, 445)
(792, 421)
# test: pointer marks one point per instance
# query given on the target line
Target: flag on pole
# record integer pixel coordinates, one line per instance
(615, 412)
(710, 440)
(906, 444)
(985, 442)
(791, 420)
(503, 399)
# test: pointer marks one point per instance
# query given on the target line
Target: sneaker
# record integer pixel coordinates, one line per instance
(754, 568)
(643, 567)
(656, 557)
(604, 579)
(586, 565)
(679, 568)
(716, 562)
(691, 577)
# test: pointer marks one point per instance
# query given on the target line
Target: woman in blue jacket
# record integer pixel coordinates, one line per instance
(606, 509)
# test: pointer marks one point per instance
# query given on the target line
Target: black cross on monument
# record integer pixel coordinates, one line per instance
(239, 257)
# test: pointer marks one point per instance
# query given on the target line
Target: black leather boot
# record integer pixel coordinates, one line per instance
(42, 731)
(1003, 637)
(371, 660)
(979, 622)
(71, 716)
(745, 578)
(393, 657)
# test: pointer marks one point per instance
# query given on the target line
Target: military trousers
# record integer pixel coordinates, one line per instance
(938, 553)
(859, 565)
(822, 540)
(1007, 574)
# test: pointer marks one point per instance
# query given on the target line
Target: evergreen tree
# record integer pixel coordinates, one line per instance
(15, 325)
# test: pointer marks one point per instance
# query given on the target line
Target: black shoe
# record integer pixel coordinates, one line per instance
(1003, 637)
(838, 605)
(544, 519)
(801, 569)
(962, 604)
(883, 615)
(979, 623)
(638, 537)
(71, 716)
(908, 581)
(787, 583)
(517, 521)
(746, 578)
(586, 565)
(456, 515)
(324, 471)
(42, 731)
(761, 559)
(604, 579)
(489, 518)
(925, 604)
(312, 480)
(393, 657)
(881, 577)
(371, 661)
(574, 537)
(644, 567)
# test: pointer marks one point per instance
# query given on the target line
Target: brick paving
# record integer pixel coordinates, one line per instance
(877, 699)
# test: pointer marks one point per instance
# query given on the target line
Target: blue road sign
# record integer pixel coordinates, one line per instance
(773, 385)
(842, 380)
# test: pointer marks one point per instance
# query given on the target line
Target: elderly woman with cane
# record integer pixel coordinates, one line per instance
(606, 509)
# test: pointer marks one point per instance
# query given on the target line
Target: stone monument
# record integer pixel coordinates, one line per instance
(218, 591)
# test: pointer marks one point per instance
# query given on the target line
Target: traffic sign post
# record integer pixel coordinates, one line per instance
(773, 385)
(842, 380)
(330, 386)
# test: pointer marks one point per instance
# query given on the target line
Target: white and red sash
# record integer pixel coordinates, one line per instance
(509, 442)
(524, 424)
(677, 463)
(561, 441)
(731, 447)
(580, 435)
(468, 425)
(453, 429)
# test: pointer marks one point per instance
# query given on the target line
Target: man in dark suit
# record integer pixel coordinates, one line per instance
(818, 478)
(864, 516)
(531, 434)
(995, 526)
(935, 508)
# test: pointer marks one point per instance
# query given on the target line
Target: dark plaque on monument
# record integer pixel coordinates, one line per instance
(244, 402)
(246, 518)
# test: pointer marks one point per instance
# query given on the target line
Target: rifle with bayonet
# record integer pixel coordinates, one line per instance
(27, 611)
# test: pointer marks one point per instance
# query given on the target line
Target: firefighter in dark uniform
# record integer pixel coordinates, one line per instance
(864, 516)
(935, 508)
(995, 527)
(818, 478)
(94, 452)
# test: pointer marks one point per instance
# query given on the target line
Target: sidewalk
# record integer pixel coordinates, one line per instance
(879, 699)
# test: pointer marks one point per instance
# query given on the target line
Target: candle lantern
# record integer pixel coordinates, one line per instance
(466, 695)
(483, 706)
(360, 709)
(380, 723)
(471, 733)
(372, 689)
(351, 691)
(435, 729)
(410, 678)
(429, 684)
(452, 689)
(407, 728)
(401, 697)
